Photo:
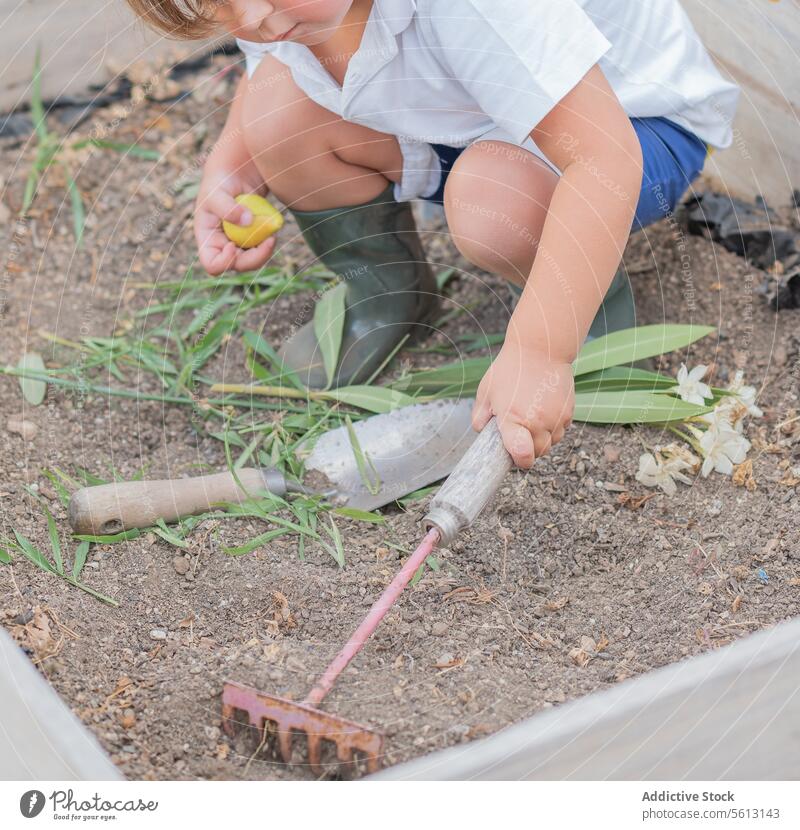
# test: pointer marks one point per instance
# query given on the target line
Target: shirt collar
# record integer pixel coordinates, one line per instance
(395, 14)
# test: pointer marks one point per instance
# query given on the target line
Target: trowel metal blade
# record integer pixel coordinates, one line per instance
(404, 450)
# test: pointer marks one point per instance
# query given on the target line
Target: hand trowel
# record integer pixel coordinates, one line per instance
(386, 457)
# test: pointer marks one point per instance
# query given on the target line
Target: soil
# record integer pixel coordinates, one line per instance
(575, 578)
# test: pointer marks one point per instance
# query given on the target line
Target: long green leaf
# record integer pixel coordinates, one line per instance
(329, 326)
(33, 389)
(621, 378)
(636, 407)
(463, 376)
(630, 345)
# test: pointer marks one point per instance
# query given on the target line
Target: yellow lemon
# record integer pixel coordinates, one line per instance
(266, 221)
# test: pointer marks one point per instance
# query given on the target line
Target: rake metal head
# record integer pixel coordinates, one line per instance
(289, 716)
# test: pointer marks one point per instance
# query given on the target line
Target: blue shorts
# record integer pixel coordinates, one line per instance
(672, 159)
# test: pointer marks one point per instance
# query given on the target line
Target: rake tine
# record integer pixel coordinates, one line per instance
(285, 743)
(314, 753)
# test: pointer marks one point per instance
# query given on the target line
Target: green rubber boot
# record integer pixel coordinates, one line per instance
(616, 312)
(375, 250)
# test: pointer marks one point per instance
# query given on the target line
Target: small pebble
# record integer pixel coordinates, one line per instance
(25, 429)
(181, 565)
(158, 634)
(439, 629)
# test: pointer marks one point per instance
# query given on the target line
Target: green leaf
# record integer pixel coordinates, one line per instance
(432, 562)
(5, 556)
(635, 407)
(32, 553)
(32, 390)
(329, 326)
(257, 542)
(360, 515)
(81, 552)
(630, 345)
(377, 399)
(125, 536)
(623, 378)
(55, 542)
(462, 376)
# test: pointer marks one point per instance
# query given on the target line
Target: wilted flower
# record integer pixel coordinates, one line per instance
(722, 446)
(729, 413)
(656, 471)
(746, 395)
(690, 387)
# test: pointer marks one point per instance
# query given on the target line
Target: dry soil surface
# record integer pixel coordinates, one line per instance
(575, 578)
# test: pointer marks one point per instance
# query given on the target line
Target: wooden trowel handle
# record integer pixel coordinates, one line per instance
(112, 508)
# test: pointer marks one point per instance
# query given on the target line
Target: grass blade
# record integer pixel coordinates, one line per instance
(55, 542)
(32, 553)
(78, 212)
(119, 147)
(337, 541)
(376, 399)
(81, 552)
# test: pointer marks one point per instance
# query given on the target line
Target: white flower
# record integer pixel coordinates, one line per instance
(689, 385)
(722, 447)
(654, 471)
(745, 394)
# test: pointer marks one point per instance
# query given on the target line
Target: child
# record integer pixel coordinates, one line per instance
(549, 129)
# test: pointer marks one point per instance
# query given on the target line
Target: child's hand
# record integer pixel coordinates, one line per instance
(215, 202)
(531, 395)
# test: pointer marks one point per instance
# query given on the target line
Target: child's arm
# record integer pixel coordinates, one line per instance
(228, 172)
(529, 386)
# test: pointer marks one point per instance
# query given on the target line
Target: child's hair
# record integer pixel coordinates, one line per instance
(184, 19)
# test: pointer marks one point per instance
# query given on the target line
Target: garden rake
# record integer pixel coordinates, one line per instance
(472, 483)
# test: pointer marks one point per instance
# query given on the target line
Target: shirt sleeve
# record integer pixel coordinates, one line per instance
(516, 58)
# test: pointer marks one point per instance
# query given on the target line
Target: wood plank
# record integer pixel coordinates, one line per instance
(80, 44)
(757, 45)
(733, 713)
(40, 738)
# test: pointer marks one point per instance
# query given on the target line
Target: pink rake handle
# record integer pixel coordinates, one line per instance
(378, 611)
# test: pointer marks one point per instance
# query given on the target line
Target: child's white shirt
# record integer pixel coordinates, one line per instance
(453, 71)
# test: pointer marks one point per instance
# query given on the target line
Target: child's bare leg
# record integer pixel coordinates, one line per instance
(311, 158)
(496, 200)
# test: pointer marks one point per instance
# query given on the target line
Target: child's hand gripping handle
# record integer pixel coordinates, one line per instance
(473, 482)
(112, 508)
